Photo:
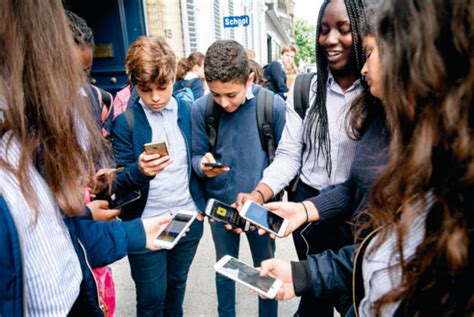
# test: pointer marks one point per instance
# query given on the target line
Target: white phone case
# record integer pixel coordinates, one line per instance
(226, 258)
(170, 244)
(243, 214)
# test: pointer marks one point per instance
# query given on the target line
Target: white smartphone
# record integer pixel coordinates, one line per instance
(168, 238)
(226, 214)
(264, 218)
(248, 275)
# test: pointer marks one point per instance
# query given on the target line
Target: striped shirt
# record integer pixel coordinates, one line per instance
(52, 272)
(289, 154)
(381, 270)
(169, 189)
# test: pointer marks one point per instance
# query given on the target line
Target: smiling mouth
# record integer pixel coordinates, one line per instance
(333, 53)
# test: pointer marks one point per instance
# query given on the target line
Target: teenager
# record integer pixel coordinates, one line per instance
(190, 74)
(318, 150)
(48, 149)
(275, 72)
(167, 183)
(418, 260)
(239, 148)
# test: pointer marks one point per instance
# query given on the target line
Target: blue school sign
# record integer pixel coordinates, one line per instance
(236, 21)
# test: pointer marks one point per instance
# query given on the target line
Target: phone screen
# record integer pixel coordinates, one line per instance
(264, 218)
(118, 199)
(227, 214)
(174, 228)
(250, 275)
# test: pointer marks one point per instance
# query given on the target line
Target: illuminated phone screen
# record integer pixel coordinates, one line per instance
(227, 214)
(264, 218)
(250, 275)
(174, 228)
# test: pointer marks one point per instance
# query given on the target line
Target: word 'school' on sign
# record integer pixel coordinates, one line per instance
(236, 21)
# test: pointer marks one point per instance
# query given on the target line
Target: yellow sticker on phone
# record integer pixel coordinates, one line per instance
(221, 211)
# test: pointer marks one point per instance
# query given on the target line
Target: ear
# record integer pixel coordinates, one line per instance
(250, 80)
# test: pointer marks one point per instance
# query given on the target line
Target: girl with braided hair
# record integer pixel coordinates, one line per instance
(317, 149)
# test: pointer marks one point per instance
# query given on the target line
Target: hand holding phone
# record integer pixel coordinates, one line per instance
(150, 165)
(214, 165)
(248, 275)
(170, 236)
(118, 199)
(210, 167)
(263, 218)
(158, 147)
(224, 213)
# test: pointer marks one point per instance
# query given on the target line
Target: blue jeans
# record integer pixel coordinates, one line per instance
(227, 243)
(160, 276)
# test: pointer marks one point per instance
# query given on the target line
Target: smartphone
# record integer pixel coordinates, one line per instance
(215, 165)
(226, 214)
(264, 218)
(118, 199)
(248, 275)
(168, 238)
(156, 148)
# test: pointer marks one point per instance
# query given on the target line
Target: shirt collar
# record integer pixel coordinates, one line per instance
(282, 65)
(190, 75)
(333, 85)
(249, 94)
(171, 106)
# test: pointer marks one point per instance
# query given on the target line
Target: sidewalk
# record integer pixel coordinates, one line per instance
(201, 297)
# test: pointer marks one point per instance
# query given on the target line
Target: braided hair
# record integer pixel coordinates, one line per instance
(316, 129)
(80, 30)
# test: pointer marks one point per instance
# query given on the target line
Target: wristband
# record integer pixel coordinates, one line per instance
(261, 194)
(306, 211)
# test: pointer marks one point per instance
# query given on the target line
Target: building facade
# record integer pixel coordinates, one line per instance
(188, 26)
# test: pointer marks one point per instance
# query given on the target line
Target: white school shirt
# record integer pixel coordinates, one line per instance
(289, 154)
(49, 257)
(169, 190)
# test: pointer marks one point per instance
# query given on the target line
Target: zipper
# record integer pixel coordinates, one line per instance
(369, 236)
(102, 307)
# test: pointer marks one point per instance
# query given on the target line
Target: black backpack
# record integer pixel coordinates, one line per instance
(264, 121)
(301, 93)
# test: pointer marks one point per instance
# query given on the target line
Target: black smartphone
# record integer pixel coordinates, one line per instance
(118, 199)
(215, 165)
(226, 214)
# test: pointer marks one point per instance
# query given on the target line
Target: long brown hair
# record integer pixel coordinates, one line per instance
(41, 79)
(186, 64)
(427, 50)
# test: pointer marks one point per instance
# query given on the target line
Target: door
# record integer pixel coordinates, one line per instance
(116, 24)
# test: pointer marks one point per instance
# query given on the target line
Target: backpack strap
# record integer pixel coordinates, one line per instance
(213, 116)
(130, 117)
(265, 121)
(301, 93)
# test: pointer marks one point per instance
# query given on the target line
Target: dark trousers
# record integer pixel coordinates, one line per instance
(160, 276)
(227, 243)
(312, 240)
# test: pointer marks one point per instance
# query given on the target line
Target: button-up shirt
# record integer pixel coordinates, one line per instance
(290, 158)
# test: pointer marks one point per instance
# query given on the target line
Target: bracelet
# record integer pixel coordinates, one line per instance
(306, 211)
(261, 194)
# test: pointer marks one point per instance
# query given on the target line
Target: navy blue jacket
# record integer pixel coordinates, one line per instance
(195, 84)
(276, 78)
(96, 243)
(238, 146)
(128, 146)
